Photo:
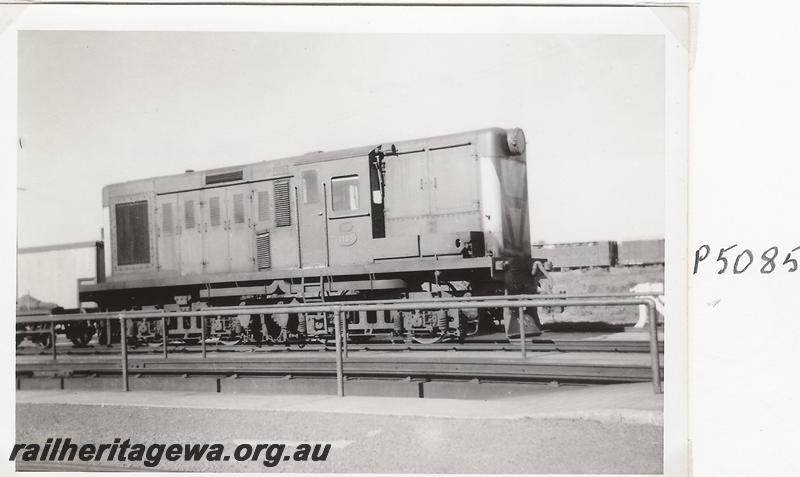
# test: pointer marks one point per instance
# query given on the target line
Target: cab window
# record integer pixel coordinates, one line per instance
(344, 193)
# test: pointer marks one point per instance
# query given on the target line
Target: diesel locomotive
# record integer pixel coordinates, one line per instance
(442, 216)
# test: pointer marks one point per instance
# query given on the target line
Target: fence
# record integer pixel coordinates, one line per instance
(337, 310)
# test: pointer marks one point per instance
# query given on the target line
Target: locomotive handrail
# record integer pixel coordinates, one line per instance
(540, 301)
(338, 308)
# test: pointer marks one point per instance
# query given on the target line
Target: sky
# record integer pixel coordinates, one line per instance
(96, 108)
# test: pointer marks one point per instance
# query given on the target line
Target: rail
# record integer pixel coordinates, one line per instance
(520, 302)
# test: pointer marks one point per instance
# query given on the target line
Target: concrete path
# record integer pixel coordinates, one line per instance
(602, 429)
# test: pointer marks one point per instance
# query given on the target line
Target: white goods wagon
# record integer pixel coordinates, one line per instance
(49, 276)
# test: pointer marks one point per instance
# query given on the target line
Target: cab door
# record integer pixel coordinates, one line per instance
(349, 230)
(311, 211)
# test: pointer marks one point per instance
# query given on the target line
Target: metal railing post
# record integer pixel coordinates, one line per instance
(53, 339)
(164, 336)
(203, 334)
(507, 310)
(337, 318)
(654, 359)
(124, 343)
(522, 332)
(108, 332)
(344, 339)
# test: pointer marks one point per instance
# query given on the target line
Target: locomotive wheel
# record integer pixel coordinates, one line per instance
(80, 340)
(274, 332)
(229, 342)
(427, 340)
(79, 333)
(43, 340)
(102, 335)
(365, 338)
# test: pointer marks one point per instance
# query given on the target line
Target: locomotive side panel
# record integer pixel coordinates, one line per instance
(434, 190)
(190, 235)
(276, 244)
(241, 238)
(432, 199)
(227, 226)
(250, 227)
(168, 242)
(454, 199)
(213, 226)
(238, 227)
(453, 182)
(407, 202)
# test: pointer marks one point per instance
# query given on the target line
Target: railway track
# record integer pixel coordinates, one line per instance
(584, 368)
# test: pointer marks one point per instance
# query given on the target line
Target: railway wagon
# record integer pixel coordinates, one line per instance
(578, 255)
(47, 282)
(640, 252)
(433, 217)
(51, 273)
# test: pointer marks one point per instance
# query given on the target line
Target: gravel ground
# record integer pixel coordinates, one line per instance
(613, 280)
(364, 443)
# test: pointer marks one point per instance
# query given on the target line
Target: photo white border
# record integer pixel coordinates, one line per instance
(671, 22)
